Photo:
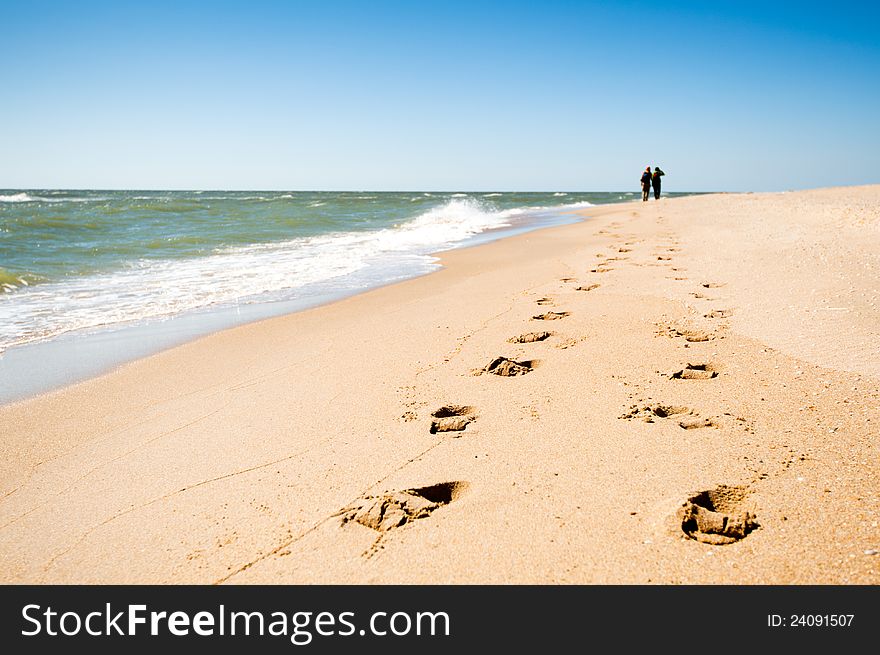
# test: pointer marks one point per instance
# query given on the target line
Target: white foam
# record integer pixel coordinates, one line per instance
(17, 197)
(560, 193)
(24, 197)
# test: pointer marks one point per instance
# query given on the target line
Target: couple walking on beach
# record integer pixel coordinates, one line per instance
(651, 179)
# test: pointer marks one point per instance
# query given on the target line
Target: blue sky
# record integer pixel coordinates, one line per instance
(439, 96)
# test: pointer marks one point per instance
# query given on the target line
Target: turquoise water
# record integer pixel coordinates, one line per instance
(80, 260)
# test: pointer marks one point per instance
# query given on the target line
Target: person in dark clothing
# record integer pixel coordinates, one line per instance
(646, 183)
(655, 181)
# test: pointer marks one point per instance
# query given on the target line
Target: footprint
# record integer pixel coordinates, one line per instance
(545, 301)
(589, 287)
(696, 336)
(506, 367)
(396, 509)
(688, 334)
(551, 316)
(716, 516)
(695, 372)
(601, 270)
(452, 418)
(712, 285)
(649, 412)
(530, 337)
(624, 250)
(566, 279)
(664, 259)
(686, 418)
(718, 313)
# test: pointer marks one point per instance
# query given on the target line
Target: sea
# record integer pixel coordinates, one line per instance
(131, 272)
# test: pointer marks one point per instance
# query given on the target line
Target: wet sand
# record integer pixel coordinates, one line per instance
(703, 408)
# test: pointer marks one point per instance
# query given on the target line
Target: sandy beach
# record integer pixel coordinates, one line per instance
(698, 402)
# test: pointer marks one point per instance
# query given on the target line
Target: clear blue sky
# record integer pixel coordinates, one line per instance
(439, 95)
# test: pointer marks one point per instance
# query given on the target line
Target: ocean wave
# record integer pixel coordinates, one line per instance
(492, 195)
(150, 288)
(10, 282)
(538, 209)
(25, 197)
(450, 223)
(560, 194)
(17, 197)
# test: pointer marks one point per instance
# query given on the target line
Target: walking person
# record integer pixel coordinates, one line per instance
(655, 181)
(646, 184)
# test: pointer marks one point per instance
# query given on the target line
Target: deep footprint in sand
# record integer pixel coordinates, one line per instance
(589, 287)
(452, 418)
(712, 285)
(544, 301)
(551, 316)
(397, 508)
(530, 337)
(506, 367)
(717, 516)
(695, 372)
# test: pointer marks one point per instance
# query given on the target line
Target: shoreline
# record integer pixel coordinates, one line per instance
(236, 457)
(35, 368)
